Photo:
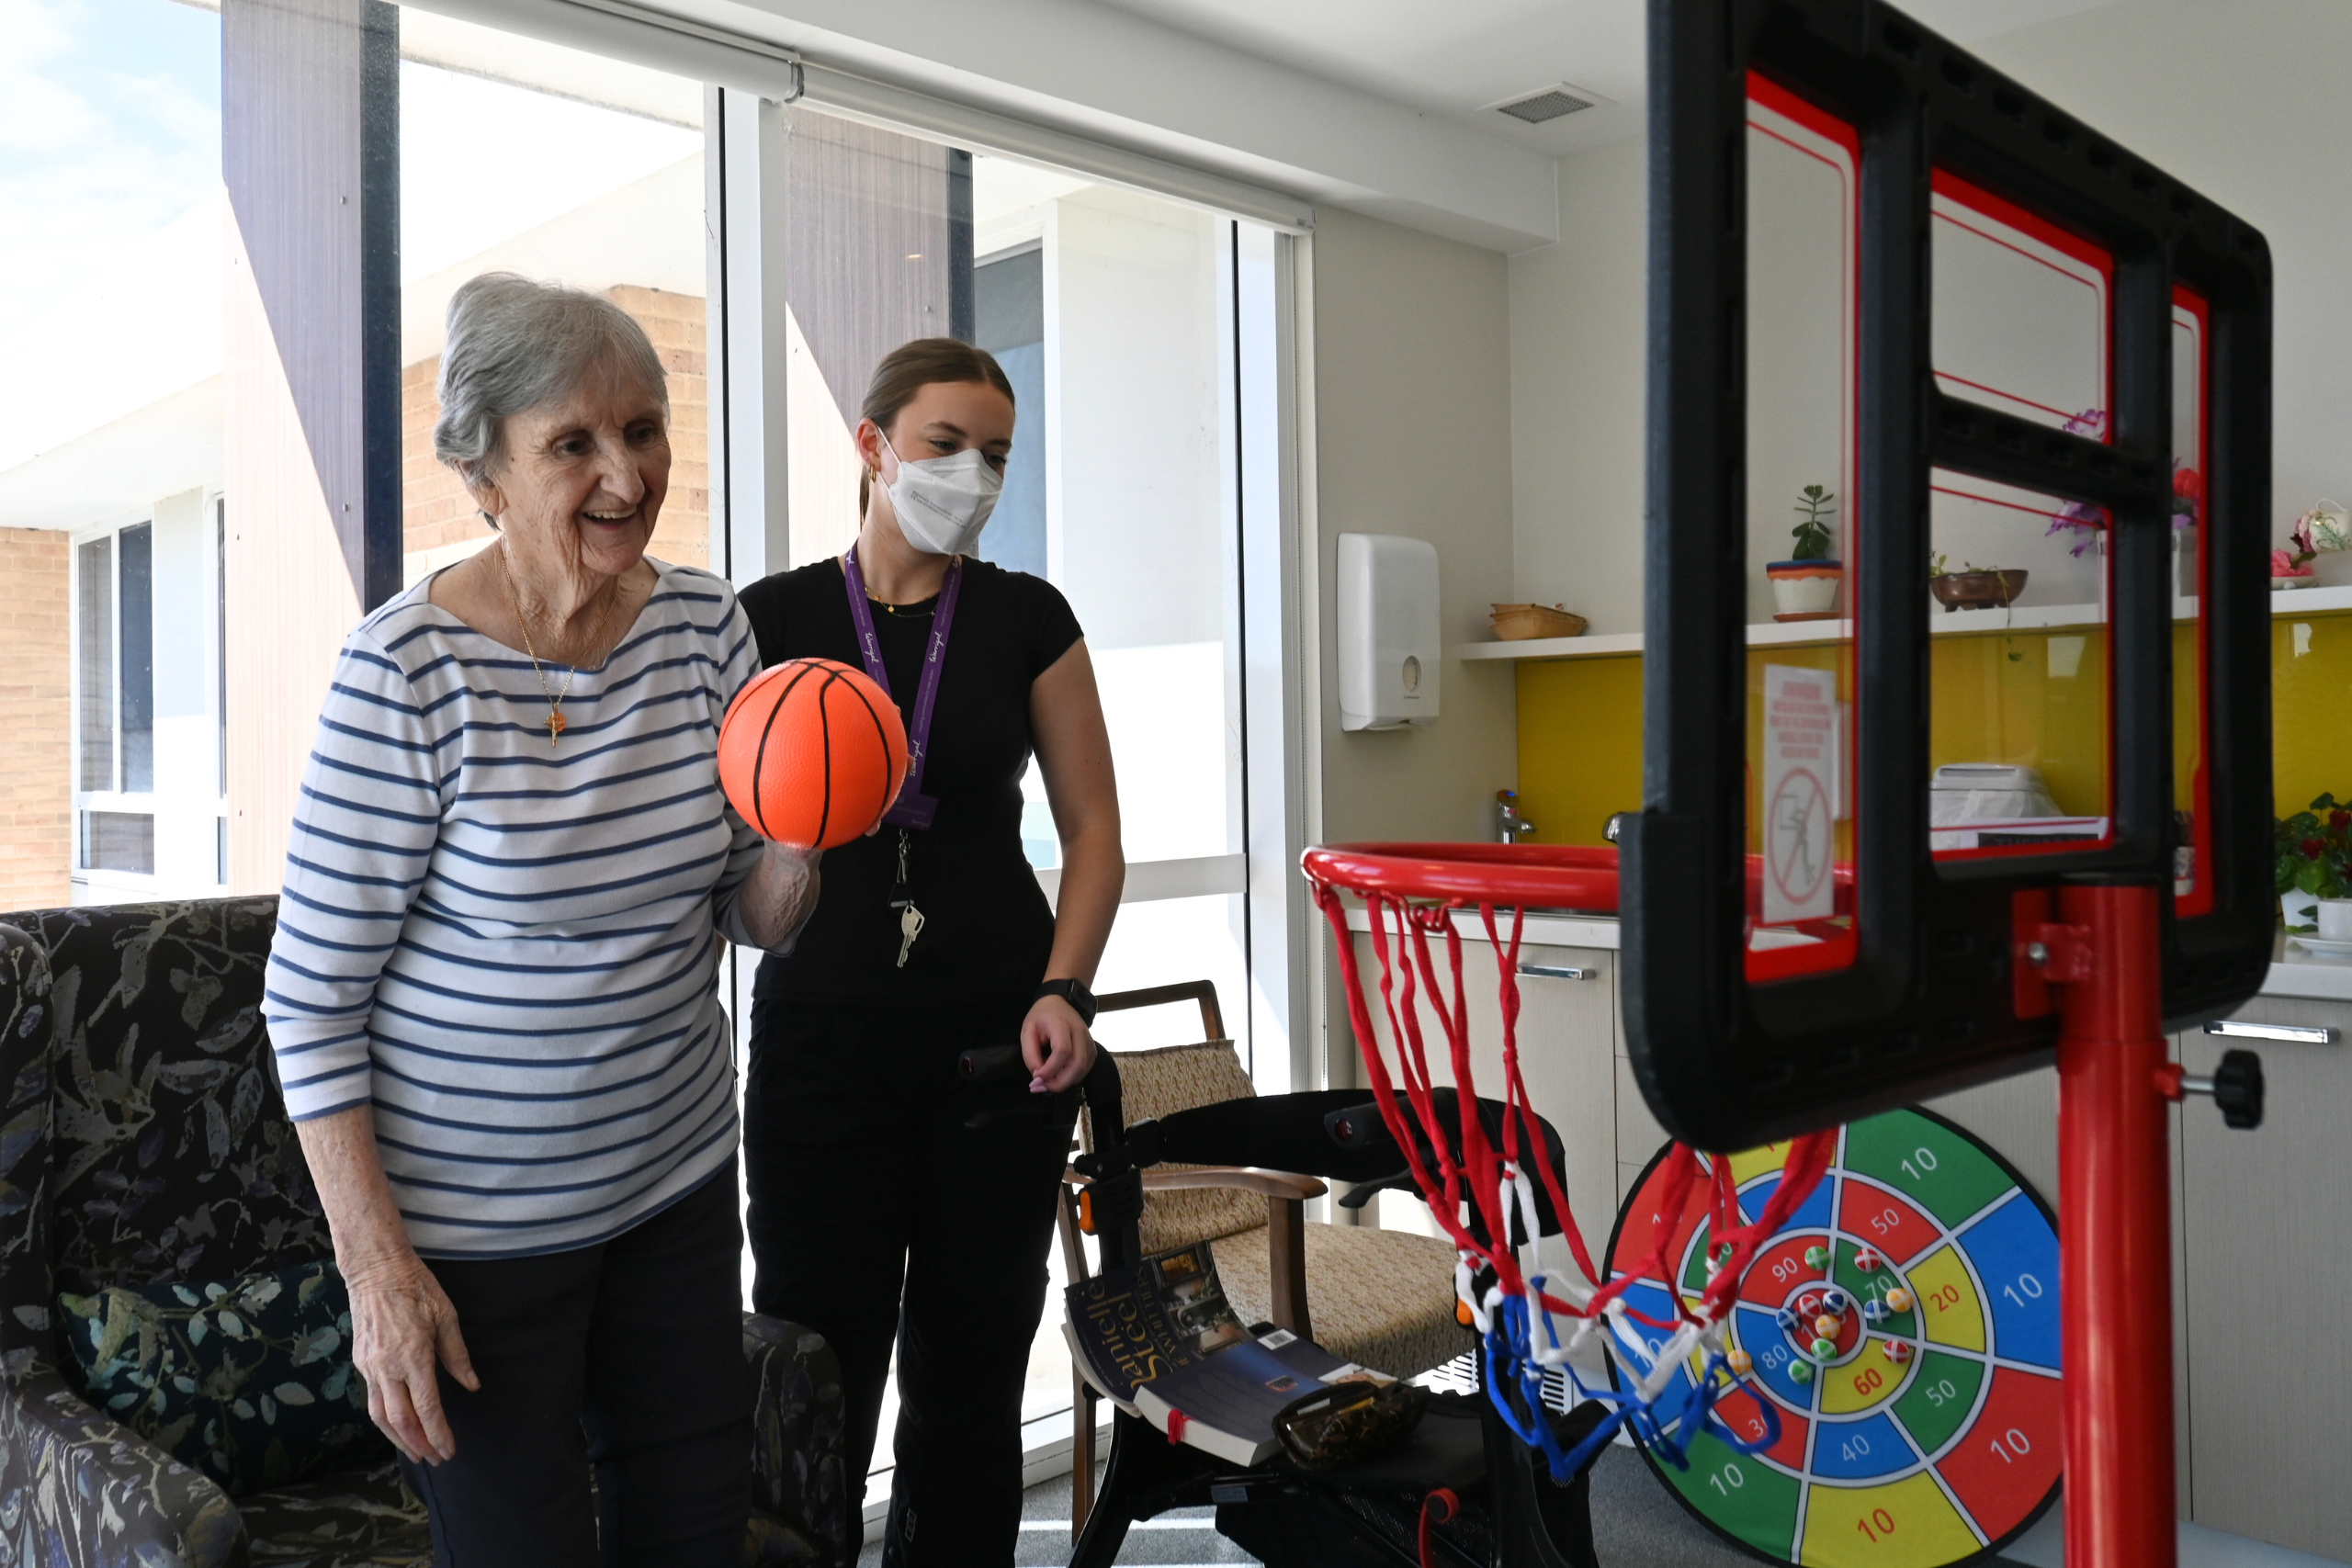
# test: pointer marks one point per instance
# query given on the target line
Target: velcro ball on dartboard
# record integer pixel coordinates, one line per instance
(812, 753)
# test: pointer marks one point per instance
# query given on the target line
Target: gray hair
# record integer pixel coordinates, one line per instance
(514, 343)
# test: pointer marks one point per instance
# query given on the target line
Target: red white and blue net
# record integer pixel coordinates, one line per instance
(1534, 1309)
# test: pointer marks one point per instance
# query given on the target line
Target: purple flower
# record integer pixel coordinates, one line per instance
(2088, 522)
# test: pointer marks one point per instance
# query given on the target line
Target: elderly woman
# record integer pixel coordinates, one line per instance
(492, 992)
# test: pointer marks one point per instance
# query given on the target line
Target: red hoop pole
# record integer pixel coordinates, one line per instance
(2115, 1234)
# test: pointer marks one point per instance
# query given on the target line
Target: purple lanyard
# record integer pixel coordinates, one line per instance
(913, 808)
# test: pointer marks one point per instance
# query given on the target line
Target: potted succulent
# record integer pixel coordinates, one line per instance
(2313, 854)
(1804, 587)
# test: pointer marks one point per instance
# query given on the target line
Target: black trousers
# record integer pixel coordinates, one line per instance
(625, 1356)
(880, 1213)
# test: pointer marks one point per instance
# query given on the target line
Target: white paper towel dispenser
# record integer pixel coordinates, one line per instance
(1387, 632)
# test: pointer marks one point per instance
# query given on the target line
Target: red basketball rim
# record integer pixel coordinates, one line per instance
(1551, 876)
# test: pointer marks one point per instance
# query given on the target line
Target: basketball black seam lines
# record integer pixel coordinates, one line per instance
(825, 732)
(760, 757)
(879, 734)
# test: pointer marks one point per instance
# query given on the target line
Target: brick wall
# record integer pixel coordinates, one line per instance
(440, 520)
(35, 686)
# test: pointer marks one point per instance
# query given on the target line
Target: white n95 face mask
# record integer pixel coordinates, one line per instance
(943, 503)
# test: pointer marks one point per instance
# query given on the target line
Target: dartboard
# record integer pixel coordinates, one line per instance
(1904, 1324)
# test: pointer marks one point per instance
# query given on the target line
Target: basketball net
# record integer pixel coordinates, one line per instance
(1484, 1198)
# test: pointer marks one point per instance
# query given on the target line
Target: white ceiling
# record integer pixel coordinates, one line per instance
(1454, 59)
(1378, 105)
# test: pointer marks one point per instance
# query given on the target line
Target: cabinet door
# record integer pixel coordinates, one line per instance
(1567, 1022)
(2267, 1215)
(2018, 1117)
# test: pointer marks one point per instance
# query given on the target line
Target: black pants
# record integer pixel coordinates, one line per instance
(878, 1216)
(626, 1357)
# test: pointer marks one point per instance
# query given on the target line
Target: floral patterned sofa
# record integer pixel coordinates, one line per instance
(142, 1140)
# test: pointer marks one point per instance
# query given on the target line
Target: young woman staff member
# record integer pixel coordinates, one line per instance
(889, 1200)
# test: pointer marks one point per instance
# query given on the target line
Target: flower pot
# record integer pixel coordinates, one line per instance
(2336, 920)
(2298, 911)
(1805, 590)
(2300, 580)
(1519, 623)
(1995, 590)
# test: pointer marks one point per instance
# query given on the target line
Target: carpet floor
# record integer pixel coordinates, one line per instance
(1635, 1524)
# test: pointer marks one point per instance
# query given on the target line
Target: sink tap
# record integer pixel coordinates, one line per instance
(1509, 824)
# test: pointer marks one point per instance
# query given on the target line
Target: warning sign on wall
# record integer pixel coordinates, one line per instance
(1802, 759)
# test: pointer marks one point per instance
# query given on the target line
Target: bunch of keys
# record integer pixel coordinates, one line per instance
(909, 917)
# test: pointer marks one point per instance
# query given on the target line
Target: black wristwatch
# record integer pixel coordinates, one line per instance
(1075, 993)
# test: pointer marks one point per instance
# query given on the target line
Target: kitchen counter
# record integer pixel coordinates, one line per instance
(2293, 972)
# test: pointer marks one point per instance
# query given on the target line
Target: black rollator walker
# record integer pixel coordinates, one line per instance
(1462, 1492)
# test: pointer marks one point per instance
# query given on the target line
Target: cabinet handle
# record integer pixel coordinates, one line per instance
(2290, 1034)
(1558, 971)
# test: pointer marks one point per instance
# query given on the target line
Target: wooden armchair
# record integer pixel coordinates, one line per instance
(1384, 1299)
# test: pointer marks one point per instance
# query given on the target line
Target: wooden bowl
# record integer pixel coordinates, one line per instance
(1978, 589)
(1519, 623)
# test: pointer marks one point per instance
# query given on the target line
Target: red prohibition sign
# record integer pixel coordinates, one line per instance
(1802, 790)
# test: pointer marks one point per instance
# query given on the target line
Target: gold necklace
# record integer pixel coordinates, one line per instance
(557, 722)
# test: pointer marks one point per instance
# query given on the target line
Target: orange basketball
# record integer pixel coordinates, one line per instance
(812, 753)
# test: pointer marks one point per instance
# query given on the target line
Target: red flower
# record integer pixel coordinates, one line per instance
(2189, 482)
(2339, 819)
(2312, 849)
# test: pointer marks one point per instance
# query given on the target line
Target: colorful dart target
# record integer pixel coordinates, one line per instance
(1904, 1325)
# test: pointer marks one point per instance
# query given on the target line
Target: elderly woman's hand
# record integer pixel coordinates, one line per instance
(402, 1324)
(780, 893)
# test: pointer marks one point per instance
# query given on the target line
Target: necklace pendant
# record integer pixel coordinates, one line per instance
(556, 726)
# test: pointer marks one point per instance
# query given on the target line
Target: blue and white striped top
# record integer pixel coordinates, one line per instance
(509, 949)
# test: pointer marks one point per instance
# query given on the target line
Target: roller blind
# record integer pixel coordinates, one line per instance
(687, 47)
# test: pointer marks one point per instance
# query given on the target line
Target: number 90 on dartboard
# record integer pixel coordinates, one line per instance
(1903, 1326)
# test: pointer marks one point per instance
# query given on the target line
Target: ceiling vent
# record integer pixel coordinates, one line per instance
(1552, 103)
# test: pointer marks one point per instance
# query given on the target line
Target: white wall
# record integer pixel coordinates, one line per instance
(1412, 427)
(188, 762)
(1133, 456)
(1575, 418)
(2242, 101)
(2246, 103)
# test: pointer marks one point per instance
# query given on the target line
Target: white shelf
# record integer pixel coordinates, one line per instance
(1940, 623)
(2309, 601)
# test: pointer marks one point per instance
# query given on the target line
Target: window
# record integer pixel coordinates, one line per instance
(614, 207)
(112, 285)
(1113, 315)
(147, 705)
(114, 700)
(94, 663)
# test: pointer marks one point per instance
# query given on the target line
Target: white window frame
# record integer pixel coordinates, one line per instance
(216, 677)
(91, 883)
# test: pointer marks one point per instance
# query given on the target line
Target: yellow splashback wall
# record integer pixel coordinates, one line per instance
(2310, 708)
(1997, 699)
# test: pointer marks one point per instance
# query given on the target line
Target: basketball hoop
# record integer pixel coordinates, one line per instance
(1411, 891)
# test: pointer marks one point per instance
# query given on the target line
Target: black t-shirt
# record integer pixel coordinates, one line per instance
(987, 931)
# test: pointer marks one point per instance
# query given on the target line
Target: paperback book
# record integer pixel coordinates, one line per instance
(1161, 1342)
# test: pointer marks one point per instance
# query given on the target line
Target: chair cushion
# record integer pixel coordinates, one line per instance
(1178, 1077)
(250, 1380)
(170, 1156)
(1382, 1299)
(349, 1519)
